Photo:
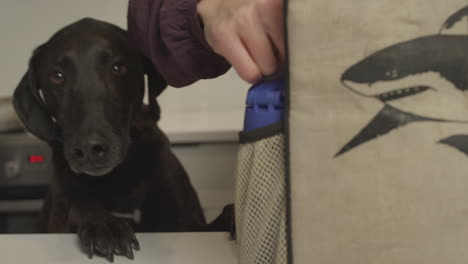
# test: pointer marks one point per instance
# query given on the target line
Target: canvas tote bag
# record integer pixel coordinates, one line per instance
(378, 127)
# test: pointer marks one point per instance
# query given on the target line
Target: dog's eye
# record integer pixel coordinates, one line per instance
(119, 69)
(57, 78)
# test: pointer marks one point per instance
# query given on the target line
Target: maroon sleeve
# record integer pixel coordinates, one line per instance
(169, 32)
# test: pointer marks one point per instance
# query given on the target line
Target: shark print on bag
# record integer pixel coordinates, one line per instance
(427, 67)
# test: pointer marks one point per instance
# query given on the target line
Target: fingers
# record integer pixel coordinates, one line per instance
(231, 47)
(259, 46)
(273, 20)
(249, 34)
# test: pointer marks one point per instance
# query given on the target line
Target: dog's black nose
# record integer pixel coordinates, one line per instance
(93, 148)
(97, 149)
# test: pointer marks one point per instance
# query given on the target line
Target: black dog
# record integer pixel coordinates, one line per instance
(83, 94)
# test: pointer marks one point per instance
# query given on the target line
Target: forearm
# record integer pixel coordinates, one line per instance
(170, 33)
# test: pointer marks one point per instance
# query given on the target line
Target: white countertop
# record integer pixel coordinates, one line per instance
(161, 248)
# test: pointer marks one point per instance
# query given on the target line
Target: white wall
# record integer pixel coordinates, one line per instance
(26, 24)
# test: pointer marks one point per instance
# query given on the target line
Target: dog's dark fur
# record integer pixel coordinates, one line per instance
(109, 155)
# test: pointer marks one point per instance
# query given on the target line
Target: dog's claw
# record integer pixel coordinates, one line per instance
(110, 256)
(135, 243)
(129, 253)
(91, 250)
(232, 234)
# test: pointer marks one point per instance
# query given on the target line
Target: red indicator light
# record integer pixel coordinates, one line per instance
(36, 158)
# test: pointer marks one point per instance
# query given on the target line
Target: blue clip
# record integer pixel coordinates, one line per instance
(265, 104)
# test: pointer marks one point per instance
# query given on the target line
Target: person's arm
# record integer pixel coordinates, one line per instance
(170, 34)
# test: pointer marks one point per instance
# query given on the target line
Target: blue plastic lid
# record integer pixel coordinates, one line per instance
(265, 104)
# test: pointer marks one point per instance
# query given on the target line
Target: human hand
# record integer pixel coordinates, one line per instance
(248, 33)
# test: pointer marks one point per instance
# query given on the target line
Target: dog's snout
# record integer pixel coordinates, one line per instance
(93, 149)
(95, 153)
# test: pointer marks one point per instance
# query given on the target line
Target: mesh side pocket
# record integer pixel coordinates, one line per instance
(261, 202)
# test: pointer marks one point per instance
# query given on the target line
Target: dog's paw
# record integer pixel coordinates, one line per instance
(115, 236)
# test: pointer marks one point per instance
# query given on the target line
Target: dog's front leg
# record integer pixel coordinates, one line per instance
(100, 233)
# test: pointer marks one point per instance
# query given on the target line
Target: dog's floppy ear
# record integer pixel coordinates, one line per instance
(156, 85)
(28, 103)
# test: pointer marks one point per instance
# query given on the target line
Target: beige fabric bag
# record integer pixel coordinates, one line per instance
(379, 131)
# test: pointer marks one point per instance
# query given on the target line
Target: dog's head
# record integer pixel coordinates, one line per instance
(84, 86)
